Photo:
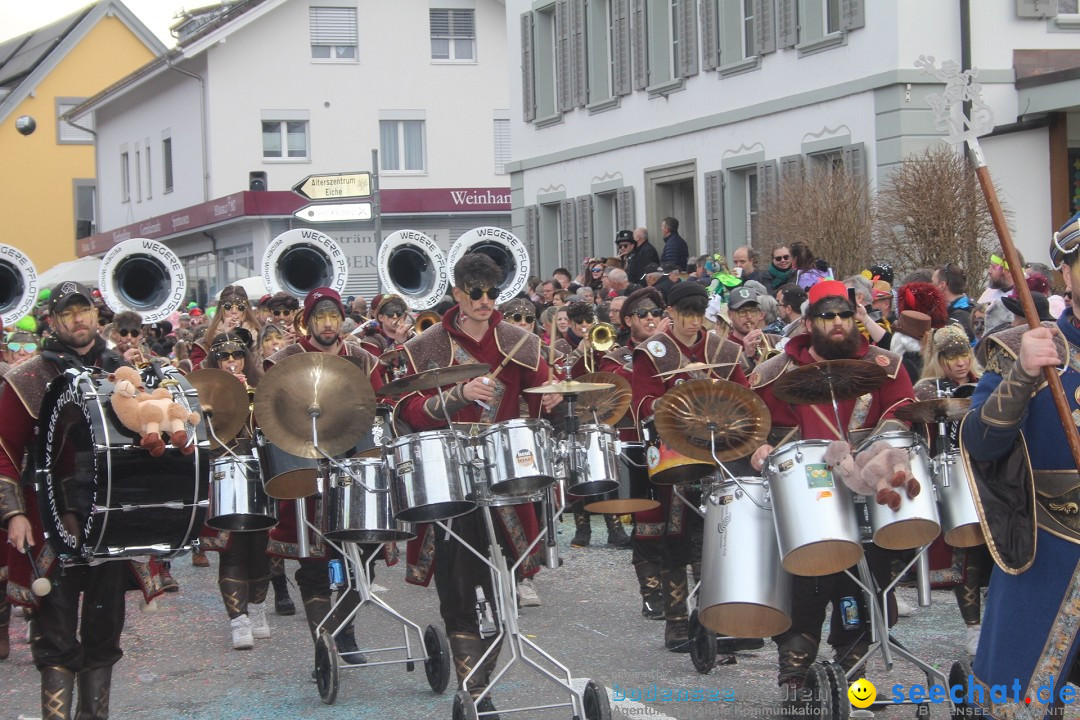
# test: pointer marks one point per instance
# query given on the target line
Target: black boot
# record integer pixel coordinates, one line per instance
(676, 613)
(584, 527)
(467, 648)
(796, 653)
(57, 687)
(283, 604)
(652, 594)
(5, 620)
(616, 534)
(316, 608)
(94, 694)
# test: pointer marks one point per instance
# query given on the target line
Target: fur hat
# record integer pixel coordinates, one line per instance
(926, 299)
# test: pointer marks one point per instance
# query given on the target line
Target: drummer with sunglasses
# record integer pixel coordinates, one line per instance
(473, 331)
(62, 647)
(831, 334)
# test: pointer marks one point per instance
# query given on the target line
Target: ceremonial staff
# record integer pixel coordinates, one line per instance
(960, 88)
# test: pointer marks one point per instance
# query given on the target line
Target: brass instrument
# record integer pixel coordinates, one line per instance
(601, 338)
(424, 320)
(18, 284)
(145, 276)
(300, 260)
(765, 349)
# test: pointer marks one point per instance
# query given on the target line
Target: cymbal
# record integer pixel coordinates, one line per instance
(569, 387)
(605, 406)
(689, 416)
(436, 377)
(691, 367)
(224, 401)
(932, 411)
(331, 388)
(810, 384)
(391, 356)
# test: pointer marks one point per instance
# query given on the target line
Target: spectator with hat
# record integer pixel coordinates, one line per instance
(745, 314)
(636, 252)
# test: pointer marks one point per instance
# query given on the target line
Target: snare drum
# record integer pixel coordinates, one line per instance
(744, 590)
(667, 466)
(428, 478)
(87, 462)
(959, 518)
(635, 493)
(597, 461)
(285, 476)
(237, 500)
(355, 513)
(916, 522)
(813, 511)
(517, 456)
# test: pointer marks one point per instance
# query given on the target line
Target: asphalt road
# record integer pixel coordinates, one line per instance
(178, 661)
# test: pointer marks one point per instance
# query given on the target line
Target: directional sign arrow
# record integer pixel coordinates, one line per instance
(334, 212)
(334, 186)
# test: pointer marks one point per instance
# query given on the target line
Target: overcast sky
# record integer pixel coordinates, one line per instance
(20, 16)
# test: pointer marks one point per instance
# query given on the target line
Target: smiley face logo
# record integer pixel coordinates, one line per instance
(862, 693)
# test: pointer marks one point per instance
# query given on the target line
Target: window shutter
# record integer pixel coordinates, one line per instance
(855, 160)
(764, 26)
(641, 45)
(714, 211)
(569, 252)
(710, 36)
(766, 174)
(787, 21)
(624, 209)
(1036, 8)
(584, 227)
(564, 56)
(71, 134)
(791, 170)
(581, 58)
(528, 82)
(688, 45)
(333, 26)
(532, 233)
(502, 145)
(852, 14)
(620, 11)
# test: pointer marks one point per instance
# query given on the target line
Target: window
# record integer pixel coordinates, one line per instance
(68, 134)
(599, 43)
(544, 49)
(125, 178)
(752, 206)
(149, 173)
(661, 16)
(166, 164)
(138, 174)
(832, 16)
(401, 144)
(453, 35)
(285, 139)
(502, 145)
(747, 28)
(333, 33)
(85, 208)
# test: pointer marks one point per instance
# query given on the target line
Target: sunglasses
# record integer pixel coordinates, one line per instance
(129, 333)
(396, 315)
(586, 319)
(240, 307)
(642, 313)
(477, 293)
(598, 270)
(20, 347)
(843, 315)
(518, 317)
(235, 355)
(779, 258)
(286, 313)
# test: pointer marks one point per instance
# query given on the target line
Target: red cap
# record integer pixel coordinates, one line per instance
(827, 288)
(318, 294)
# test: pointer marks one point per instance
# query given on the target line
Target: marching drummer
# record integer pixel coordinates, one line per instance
(473, 331)
(831, 335)
(60, 655)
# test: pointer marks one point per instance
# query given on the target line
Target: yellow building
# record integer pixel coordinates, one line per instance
(47, 185)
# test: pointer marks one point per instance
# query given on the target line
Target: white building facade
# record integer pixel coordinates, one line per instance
(628, 111)
(201, 148)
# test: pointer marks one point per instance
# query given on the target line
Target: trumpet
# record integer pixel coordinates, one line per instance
(765, 349)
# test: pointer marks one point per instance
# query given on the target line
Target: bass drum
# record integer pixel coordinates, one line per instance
(127, 503)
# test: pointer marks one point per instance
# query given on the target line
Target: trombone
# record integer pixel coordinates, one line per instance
(601, 338)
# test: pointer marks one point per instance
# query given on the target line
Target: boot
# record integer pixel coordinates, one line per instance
(345, 641)
(652, 594)
(797, 653)
(616, 534)
(584, 527)
(467, 647)
(676, 613)
(5, 620)
(283, 604)
(316, 609)
(234, 593)
(199, 559)
(94, 694)
(57, 687)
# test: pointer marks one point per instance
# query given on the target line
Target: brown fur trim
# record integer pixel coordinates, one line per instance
(30, 380)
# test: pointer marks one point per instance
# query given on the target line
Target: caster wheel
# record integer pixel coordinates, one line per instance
(464, 707)
(838, 683)
(437, 665)
(326, 668)
(702, 646)
(595, 699)
(818, 693)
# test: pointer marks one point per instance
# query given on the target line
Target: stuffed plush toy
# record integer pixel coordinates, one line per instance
(149, 414)
(877, 471)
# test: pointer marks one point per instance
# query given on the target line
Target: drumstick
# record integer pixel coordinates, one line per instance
(509, 355)
(827, 421)
(551, 352)
(41, 586)
(790, 434)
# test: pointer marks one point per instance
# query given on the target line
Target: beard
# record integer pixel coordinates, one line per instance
(831, 348)
(325, 343)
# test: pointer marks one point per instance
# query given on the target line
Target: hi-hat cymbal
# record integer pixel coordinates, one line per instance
(604, 406)
(820, 382)
(436, 377)
(224, 402)
(330, 388)
(569, 387)
(932, 411)
(689, 368)
(697, 413)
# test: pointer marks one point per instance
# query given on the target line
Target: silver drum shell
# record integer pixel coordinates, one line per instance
(518, 457)
(916, 523)
(959, 518)
(355, 514)
(598, 461)
(238, 502)
(428, 478)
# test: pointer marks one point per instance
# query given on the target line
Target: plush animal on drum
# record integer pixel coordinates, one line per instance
(880, 471)
(150, 413)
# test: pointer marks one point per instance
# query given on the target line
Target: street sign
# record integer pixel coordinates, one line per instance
(334, 186)
(334, 212)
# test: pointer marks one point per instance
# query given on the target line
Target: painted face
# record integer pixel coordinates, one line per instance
(582, 328)
(957, 368)
(324, 325)
(480, 309)
(686, 325)
(644, 320)
(272, 342)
